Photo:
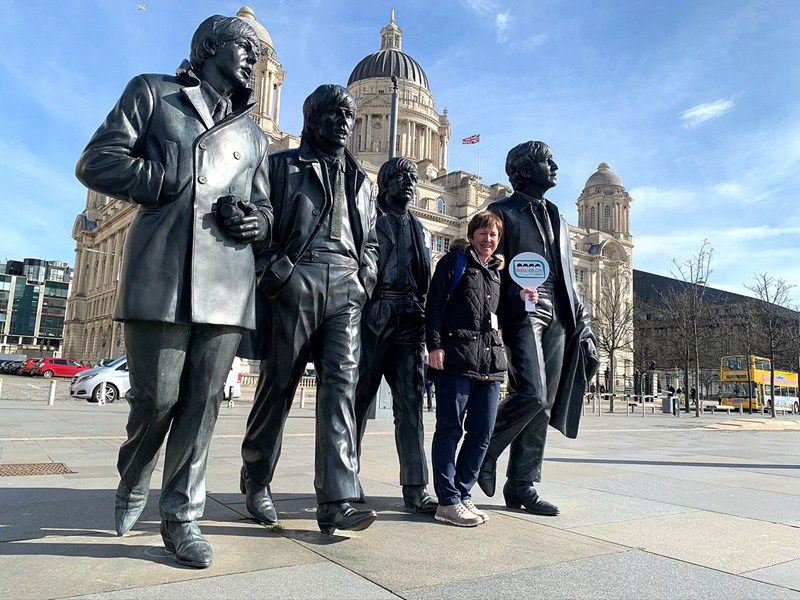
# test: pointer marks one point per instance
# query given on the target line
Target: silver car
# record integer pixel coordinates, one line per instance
(88, 384)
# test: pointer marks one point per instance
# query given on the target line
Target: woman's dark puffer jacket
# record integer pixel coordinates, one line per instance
(462, 325)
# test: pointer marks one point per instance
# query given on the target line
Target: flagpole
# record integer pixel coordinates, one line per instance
(479, 158)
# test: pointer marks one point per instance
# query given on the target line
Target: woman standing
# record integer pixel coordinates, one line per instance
(467, 363)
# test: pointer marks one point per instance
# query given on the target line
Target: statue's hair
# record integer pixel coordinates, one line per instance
(398, 164)
(214, 32)
(328, 94)
(521, 159)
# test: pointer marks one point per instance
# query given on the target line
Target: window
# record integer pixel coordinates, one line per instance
(607, 218)
(439, 243)
(447, 244)
(441, 206)
(592, 222)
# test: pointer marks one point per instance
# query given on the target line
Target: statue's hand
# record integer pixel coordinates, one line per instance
(247, 229)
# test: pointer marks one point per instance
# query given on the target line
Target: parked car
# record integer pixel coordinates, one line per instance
(88, 384)
(29, 366)
(58, 367)
(13, 367)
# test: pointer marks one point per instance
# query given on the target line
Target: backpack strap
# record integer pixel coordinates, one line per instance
(458, 271)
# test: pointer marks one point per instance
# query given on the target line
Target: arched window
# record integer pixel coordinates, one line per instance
(592, 221)
(607, 218)
(441, 206)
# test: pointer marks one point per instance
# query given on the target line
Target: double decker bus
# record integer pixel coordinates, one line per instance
(745, 380)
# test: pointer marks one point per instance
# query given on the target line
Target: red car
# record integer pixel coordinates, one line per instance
(59, 367)
(29, 366)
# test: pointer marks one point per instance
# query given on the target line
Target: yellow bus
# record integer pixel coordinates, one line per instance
(737, 387)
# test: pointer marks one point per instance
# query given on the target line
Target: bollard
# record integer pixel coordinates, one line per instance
(231, 403)
(101, 398)
(302, 397)
(51, 400)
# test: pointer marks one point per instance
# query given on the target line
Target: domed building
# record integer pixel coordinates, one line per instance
(422, 133)
(602, 247)
(268, 78)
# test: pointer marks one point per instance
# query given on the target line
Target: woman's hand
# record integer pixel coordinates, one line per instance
(436, 359)
(530, 295)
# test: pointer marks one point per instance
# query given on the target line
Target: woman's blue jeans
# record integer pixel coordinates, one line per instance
(463, 406)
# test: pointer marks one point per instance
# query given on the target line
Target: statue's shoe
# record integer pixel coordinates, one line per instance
(519, 495)
(129, 503)
(187, 543)
(487, 476)
(258, 500)
(417, 498)
(340, 515)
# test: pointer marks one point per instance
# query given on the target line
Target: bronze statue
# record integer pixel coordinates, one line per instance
(393, 328)
(550, 351)
(185, 149)
(315, 278)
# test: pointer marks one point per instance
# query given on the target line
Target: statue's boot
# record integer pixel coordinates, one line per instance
(187, 543)
(258, 499)
(129, 504)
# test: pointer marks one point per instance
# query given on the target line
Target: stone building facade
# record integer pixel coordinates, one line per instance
(445, 199)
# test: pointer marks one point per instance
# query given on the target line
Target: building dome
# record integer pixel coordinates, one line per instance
(390, 60)
(604, 176)
(248, 16)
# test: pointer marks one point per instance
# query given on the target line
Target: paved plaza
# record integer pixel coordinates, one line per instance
(651, 507)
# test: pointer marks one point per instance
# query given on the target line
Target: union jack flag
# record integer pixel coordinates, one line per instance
(473, 139)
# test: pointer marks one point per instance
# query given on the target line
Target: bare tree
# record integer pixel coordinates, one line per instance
(774, 295)
(612, 321)
(647, 349)
(689, 313)
(746, 325)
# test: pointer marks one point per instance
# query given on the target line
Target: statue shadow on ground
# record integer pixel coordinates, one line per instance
(29, 516)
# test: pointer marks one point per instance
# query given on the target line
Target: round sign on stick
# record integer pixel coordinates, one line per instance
(529, 270)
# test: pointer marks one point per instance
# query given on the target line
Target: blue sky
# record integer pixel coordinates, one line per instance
(693, 104)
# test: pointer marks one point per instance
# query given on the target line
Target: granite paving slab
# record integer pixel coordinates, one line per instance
(318, 581)
(725, 542)
(99, 561)
(432, 553)
(785, 574)
(632, 575)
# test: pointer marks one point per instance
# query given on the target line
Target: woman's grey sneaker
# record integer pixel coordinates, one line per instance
(484, 516)
(458, 515)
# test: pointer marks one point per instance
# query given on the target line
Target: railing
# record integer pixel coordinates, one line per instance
(249, 380)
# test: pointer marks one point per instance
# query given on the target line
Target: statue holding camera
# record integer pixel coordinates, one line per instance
(185, 149)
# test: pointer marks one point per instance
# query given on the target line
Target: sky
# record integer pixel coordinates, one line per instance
(694, 104)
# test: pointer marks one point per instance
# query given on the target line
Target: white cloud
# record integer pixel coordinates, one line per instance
(692, 117)
(534, 41)
(501, 22)
(481, 7)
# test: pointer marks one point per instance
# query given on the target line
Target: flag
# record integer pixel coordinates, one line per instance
(473, 139)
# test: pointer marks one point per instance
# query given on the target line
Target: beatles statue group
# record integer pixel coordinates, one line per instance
(290, 257)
